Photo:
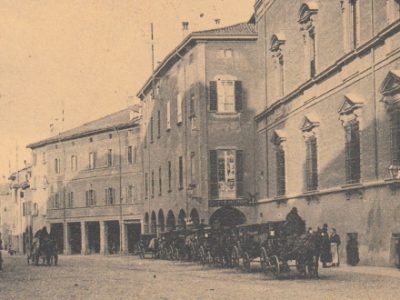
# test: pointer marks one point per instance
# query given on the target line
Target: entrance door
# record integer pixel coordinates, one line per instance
(394, 258)
(57, 232)
(133, 236)
(93, 229)
(75, 239)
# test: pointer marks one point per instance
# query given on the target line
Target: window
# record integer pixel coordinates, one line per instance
(135, 155)
(179, 101)
(146, 185)
(129, 194)
(307, 14)
(74, 163)
(34, 159)
(352, 149)
(226, 174)
(311, 164)
(92, 160)
(192, 167)
(145, 142)
(158, 124)
(180, 172)
(225, 96)
(152, 183)
(280, 171)
(151, 130)
(168, 115)
(90, 198)
(395, 137)
(130, 155)
(35, 210)
(159, 182)
(191, 105)
(109, 158)
(70, 199)
(57, 200)
(354, 20)
(44, 157)
(110, 196)
(169, 176)
(57, 165)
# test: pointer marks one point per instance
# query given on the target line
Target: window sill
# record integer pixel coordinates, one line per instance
(352, 185)
(221, 113)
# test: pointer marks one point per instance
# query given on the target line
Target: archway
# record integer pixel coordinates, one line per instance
(153, 225)
(194, 216)
(181, 219)
(146, 223)
(227, 216)
(170, 221)
(161, 222)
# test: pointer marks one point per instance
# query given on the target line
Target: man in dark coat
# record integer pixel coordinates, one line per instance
(326, 254)
(294, 224)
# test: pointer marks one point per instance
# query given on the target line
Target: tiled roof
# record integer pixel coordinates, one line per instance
(122, 119)
(237, 29)
(241, 31)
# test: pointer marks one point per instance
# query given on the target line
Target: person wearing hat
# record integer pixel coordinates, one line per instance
(335, 243)
(326, 254)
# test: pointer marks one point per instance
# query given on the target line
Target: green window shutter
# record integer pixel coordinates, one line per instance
(238, 96)
(213, 174)
(239, 173)
(213, 96)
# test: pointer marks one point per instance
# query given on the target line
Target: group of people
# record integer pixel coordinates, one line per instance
(330, 242)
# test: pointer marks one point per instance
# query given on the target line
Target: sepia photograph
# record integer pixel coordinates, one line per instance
(213, 149)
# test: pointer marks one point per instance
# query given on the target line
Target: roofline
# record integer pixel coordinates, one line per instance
(132, 124)
(192, 37)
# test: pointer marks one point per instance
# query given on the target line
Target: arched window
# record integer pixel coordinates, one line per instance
(194, 216)
(161, 222)
(182, 219)
(170, 221)
(153, 225)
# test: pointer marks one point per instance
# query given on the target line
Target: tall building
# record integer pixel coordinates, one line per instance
(197, 131)
(89, 180)
(329, 133)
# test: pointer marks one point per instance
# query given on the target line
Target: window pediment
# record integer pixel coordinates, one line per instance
(309, 124)
(350, 104)
(276, 41)
(391, 83)
(306, 11)
(278, 137)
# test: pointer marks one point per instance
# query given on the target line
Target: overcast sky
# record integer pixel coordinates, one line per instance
(93, 56)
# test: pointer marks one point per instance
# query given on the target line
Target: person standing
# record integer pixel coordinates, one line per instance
(335, 243)
(326, 254)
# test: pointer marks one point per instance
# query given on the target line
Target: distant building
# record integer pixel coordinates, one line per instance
(89, 181)
(197, 131)
(16, 210)
(329, 135)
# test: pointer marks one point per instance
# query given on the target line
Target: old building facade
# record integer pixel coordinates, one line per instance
(198, 131)
(92, 178)
(328, 138)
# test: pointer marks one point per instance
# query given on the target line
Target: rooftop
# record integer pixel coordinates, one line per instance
(122, 119)
(241, 31)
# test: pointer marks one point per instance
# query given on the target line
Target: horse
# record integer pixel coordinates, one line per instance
(308, 253)
(46, 249)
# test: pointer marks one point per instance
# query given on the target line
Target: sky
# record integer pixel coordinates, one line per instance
(87, 57)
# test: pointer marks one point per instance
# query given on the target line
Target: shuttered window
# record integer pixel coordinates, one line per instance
(353, 167)
(280, 172)
(152, 183)
(130, 155)
(146, 185)
(311, 164)
(159, 182)
(110, 196)
(239, 173)
(169, 176)
(151, 130)
(179, 100)
(109, 158)
(180, 172)
(213, 174)
(158, 124)
(90, 198)
(168, 115)
(395, 137)
(225, 96)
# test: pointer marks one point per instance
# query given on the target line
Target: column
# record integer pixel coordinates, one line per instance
(84, 238)
(67, 246)
(103, 238)
(124, 236)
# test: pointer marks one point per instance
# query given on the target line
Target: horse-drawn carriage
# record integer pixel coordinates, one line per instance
(44, 248)
(148, 244)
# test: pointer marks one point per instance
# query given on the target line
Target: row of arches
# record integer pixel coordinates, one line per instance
(159, 223)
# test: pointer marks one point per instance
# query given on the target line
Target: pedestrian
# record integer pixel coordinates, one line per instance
(352, 250)
(335, 243)
(326, 254)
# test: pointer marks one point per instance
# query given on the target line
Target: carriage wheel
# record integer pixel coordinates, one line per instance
(264, 260)
(275, 265)
(246, 262)
(235, 257)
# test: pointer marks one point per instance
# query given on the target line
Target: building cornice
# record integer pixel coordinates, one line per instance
(333, 69)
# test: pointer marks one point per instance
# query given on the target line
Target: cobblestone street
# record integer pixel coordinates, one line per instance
(127, 277)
